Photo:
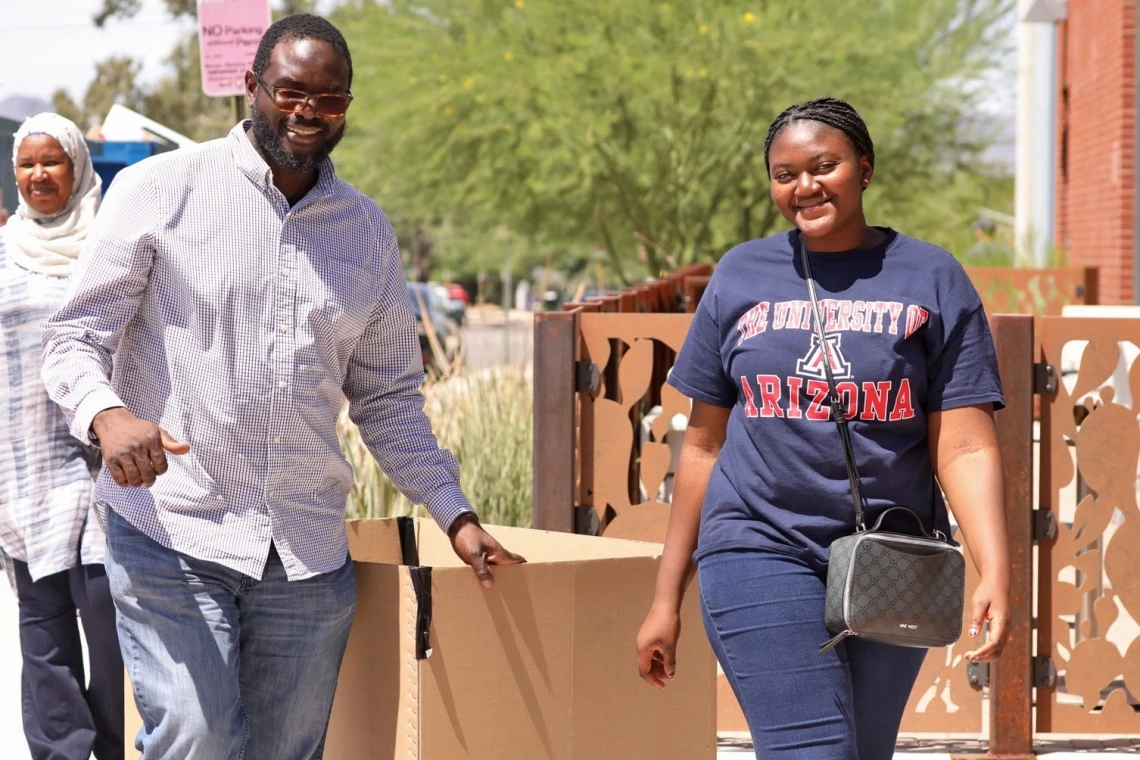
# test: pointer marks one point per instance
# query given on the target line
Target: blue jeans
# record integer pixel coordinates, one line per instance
(763, 612)
(224, 666)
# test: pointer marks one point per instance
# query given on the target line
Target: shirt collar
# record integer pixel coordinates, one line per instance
(252, 165)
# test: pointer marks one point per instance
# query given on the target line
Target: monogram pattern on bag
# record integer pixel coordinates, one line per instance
(900, 592)
(837, 569)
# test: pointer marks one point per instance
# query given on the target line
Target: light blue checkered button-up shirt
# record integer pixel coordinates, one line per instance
(204, 303)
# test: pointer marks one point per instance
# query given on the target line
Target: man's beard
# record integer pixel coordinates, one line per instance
(272, 144)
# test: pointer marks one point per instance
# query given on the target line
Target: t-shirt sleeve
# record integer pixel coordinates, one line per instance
(963, 368)
(699, 370)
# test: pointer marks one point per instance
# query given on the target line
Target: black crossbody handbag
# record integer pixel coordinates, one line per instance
(892, 588)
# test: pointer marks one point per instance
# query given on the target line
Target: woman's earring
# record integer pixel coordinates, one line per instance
(866, 182)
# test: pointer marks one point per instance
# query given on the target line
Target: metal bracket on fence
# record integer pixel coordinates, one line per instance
(1044, 672)
(587, 378)
(1044, 379)
(1044, 525)
(585, 520)
(978, 674)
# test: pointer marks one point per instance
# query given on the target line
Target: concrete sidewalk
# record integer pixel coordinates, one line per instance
(934, 747)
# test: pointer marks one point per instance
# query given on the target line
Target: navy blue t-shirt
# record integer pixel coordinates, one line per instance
(908, 336)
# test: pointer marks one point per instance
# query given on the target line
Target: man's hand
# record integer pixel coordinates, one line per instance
(479, 548)
(134, 450)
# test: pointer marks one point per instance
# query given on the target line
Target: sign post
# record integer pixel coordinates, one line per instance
(229, 32)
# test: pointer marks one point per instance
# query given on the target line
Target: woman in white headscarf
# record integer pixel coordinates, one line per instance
(51, 545)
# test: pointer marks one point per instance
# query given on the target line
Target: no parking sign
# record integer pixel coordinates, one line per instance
(228, 34)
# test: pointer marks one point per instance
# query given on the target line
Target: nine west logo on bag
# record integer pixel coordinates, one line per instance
(908, 626)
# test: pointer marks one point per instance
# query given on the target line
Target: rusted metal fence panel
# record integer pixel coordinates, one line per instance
(1089, 579)
(1040, 292)
(624, 348)
(606, 442)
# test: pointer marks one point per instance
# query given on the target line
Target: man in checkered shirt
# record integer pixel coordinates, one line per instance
(229, 297)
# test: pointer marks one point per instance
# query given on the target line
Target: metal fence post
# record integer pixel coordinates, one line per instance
(1011, 684)
(555, 423)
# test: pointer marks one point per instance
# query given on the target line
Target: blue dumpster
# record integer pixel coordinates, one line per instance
(110, 157)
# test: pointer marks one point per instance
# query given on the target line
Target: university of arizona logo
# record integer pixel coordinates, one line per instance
(812, 364)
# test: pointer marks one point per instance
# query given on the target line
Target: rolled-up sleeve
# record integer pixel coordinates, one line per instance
(382, 385)
(114, 268)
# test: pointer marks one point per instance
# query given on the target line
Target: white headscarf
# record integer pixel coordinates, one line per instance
(50, 244)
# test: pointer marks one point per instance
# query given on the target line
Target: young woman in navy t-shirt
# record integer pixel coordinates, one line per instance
(761, 491)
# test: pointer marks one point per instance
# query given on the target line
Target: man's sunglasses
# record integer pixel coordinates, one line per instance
(287, 100)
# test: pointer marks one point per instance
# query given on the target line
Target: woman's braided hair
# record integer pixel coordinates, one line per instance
(830, 111)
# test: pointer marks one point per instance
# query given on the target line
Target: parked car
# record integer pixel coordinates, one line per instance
(457, 292)
(452, 307)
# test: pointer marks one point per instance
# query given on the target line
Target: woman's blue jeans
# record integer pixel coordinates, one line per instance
(763, 612)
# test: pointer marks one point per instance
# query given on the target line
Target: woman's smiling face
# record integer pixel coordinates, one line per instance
(44, 174)
(817, 180)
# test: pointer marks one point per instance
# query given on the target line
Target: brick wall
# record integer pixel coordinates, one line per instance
(1096, 146)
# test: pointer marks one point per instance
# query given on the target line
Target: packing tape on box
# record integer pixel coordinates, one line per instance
(421, 582)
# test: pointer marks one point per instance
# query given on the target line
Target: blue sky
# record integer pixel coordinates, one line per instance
(48, 44)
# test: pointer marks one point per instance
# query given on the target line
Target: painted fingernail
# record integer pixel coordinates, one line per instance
(973, 632)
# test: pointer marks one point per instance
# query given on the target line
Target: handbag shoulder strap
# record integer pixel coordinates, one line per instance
(838, 413)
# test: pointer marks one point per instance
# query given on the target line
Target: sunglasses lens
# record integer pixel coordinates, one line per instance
(293, 101)
(333, 105)
(290, 101)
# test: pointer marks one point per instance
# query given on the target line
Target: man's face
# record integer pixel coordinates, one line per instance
(298, 141)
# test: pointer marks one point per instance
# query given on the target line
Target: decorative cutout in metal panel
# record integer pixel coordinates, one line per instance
(629, 469)
(1089, 598)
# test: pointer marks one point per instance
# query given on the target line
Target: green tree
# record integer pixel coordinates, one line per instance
(640, 124)
(178, 102)
(125, 9)
(115, 82)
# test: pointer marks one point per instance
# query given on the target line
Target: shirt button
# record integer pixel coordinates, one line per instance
(277, 439)
(282, 384)
(285, 272)
(284, 328)
(271, 494)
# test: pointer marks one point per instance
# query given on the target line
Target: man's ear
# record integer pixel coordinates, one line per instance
(250, 89)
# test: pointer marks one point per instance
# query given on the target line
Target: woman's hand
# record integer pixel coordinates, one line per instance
(991, 603)
(657, 646)
(967, 460)
(657, 640)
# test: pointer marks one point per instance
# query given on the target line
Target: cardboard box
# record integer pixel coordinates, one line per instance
(541, 667)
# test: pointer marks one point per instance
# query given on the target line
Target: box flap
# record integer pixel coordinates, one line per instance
(614, 713)
(375, 540)
(543, 666)
(535, 545)
(495, 685)
(376, 704)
